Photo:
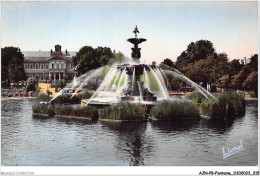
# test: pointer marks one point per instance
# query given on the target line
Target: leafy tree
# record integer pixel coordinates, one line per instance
(238, 79)
(89, 58)
(12, 61)
(253, 64)
(213, 68)
(168, 62)
(235, 67)
(31, 84)
(251, 82)
(202, 49)
(222, 57)
(225, 80)
(154, 63)
(200, 76)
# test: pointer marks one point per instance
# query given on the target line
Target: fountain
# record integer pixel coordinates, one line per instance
(132, 81)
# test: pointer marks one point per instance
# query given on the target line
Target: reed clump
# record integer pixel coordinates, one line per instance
(87, 111)
(226, 105)
(124, 111)
(43, 109)
(174, 110)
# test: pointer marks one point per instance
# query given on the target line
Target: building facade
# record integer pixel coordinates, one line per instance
(49, 66)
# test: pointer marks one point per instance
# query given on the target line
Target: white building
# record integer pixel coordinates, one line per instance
(49, 65)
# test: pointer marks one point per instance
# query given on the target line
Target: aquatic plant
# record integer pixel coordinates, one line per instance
(226, 105)
(87, 111)
(43, 109)
(175, 110)
(42, 97)
(124, 111)
(197, 97)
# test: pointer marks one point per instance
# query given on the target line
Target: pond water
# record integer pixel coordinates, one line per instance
(29, 141)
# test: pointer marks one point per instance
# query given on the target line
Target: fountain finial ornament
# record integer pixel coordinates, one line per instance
(136, 53)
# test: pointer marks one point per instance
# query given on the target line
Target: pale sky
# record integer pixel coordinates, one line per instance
(168, 26)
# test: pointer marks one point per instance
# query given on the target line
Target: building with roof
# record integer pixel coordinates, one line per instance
(49, 65)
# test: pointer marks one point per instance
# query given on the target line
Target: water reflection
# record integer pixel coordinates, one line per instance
(59, 141)
(133, 144)
(175, 125)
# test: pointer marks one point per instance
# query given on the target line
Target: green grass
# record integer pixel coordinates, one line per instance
(153, 82)
(124, 111)
(175, 110)
(122, 82)
(227, 105)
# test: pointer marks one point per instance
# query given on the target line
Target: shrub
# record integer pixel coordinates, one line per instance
(124, 111)
(174, 110)
(43, 109)
(42, 97)
(87, 111)
(76, 99)
(227, 105)
(197, 97)
(30, 87)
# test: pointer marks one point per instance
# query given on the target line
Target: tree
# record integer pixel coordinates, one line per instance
(12, 61)
(31, 84)
(200, 76)
(168, 62)
(213, 68)
(225, 81)
(222, 57)
(238, 79)
(89, 58)
(202, 49)
(235, 67)
(253, 64)
(153, 63)
(251, 82)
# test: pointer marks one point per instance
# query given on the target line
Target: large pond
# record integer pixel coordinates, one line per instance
(30, 141)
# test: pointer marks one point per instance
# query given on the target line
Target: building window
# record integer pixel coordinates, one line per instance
(52, 65)
(41, 66)
(36, 66)
(57, 66)
(31, 67)
(62, 67)
(25, 66)
(46, 66)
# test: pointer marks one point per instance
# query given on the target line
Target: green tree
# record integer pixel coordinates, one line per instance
(251, 82)
(253, 64)
(238, 80)
(235, 67)
(212, 70)
(12, 61)
(168, 62)
(89, 58)
(202, 49)
(225, 81)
